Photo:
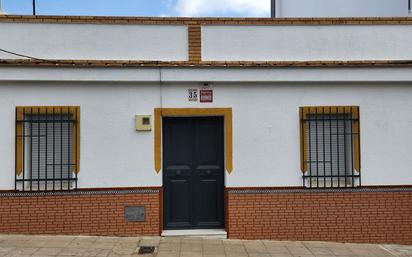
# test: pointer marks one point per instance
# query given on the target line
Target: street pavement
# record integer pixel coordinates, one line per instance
(65, 246)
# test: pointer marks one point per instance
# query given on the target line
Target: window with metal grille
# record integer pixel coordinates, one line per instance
(330, 154)
(47, 148)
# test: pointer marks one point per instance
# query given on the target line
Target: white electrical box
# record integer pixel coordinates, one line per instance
(143, 122)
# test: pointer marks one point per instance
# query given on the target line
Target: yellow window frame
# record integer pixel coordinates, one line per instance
(21, 110)
(303, 113)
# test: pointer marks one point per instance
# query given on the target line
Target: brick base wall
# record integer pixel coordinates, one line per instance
(360, 215)
(87, 213)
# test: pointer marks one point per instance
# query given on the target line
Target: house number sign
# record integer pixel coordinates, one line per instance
(203, 95)
(192, 94)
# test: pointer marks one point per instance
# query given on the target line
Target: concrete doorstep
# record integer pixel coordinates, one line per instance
(65, 246)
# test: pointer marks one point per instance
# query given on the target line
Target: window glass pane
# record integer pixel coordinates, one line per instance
(329, 140)
(330, 144)
(48, 154)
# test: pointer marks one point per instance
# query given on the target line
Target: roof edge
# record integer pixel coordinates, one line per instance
(204, 20)
(210, 64)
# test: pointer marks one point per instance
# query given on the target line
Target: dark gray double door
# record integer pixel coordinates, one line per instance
(193, 172)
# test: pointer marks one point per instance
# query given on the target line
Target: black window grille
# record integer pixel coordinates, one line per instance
(46, 149)
(330, 140)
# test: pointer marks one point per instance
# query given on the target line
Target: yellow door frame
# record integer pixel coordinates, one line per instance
(193, 112)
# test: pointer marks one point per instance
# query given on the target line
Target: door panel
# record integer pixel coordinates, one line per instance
(179, 187)
(193, 177)
(207, 206)
(209, 138)
(180, 214)
(178, 144)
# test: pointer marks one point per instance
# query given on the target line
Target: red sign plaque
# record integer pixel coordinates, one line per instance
(206, 96)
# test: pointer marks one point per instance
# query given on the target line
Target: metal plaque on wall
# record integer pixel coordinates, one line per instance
(134, 213)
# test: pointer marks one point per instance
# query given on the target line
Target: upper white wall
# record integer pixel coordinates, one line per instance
(306, 43)
(219, 42)
(341, 8)
(95, 41)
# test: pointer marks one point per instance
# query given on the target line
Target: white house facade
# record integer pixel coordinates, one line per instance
(339, 8)
(289, 129)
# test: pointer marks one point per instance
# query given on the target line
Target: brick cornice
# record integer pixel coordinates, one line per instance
(196, 63)
(204, 21)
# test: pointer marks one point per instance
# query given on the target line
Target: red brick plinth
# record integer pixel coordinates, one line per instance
(83, 213)
(358, 215)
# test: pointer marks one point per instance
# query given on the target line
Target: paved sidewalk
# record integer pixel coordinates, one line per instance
(64, 246)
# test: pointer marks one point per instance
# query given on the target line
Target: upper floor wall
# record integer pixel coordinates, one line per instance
(95, 41)
(341, 8)
(205, 40)
(307, 43)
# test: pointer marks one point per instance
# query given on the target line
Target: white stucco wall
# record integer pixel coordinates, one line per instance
(95, 41)
(205, 74)
(219, 42)
(112, 153)
(341, 8)
(306, 43)
(265, 126)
